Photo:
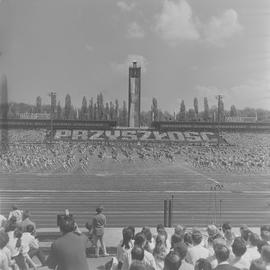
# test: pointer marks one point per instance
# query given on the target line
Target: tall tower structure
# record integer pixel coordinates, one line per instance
(4, 113)
(134, 95)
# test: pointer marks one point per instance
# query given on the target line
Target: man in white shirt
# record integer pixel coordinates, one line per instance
(148, 258)
(197, 251)
(252, 252)
(239, 249)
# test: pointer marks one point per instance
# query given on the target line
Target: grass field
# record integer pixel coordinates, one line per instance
(134, 195)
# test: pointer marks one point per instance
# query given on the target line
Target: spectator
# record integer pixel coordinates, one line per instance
(182, 249)
(160, 228)
(266, 256)
(175, 240)
(5, 257)
(3, 221)
(222, 254)
(257, 265)
(252, 252)
(137, 254)
(160, 251)
(188, 239)
(179, 229)
(137, 265)
(203, 264)
(150, 243)
(265, 233)
(228, 234)
(68, 251)
(26, 221)
(245, 232)
(261, 244)
(132, 228)
(213, 233)
(148, 259)
(124, 246)
(197, 251)
(16, 212)
(172, 261)
(239, 249)
(30, 245)
(98, 224)
(219, 242)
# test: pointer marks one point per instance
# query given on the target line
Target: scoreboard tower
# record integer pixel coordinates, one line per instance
(134, 95)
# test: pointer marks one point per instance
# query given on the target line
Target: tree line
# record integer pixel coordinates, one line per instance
(99, 109)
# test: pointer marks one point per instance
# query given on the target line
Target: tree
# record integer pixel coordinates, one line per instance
(233, 111)
(206, 109)
(100, 107)
(58, 111)
(107, 111)
(68, 107)
(182, 114)
(111, 111)
(91, 109)
(196, 107)
(154, 110)
(38, 104)
(221, 111)
(116, 110)
(95, 112)
(124, 114)
(191, 115)
(83, 112)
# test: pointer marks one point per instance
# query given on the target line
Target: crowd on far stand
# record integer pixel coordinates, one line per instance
(238, 153)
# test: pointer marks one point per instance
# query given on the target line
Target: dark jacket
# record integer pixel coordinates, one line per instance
(68, 253)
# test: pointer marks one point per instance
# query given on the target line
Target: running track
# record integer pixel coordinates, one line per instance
(136, 198)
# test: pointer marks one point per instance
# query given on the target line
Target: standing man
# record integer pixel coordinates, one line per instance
(68, 251)
(98, 224)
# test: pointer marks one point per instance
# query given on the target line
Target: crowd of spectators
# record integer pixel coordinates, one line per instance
(181, 249)
(237, 153)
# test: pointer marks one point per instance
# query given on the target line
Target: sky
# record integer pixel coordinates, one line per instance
(186, 48)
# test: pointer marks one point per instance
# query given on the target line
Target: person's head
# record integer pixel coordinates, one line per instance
(196, 237)
(164, 234)
(222, 253)
(212, 230)
(253, 239)
(147, 232)
(14, 207)
(137, 253)
(67, 224)
(160, 239)
(127, 237)
(132, 228)
(257, 265)
(175, 240)
(99, 209)
(245, 232)
(139, 239)
(178, 229)
(188, 238)
(3, 239)
(160, 227)
(239, 247)
(181, 249)
(202, 264)
(260, 245)
(227, 230)
(26, 214)
(265, 232)
(172, 261)
(137, 265)
(30, 228)
(266, 253)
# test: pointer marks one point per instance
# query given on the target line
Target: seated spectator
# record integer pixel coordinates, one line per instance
(150, 242)
(15, 212)
(172, 261)
(265, 233)
(245, 232)
(26, 221)
(30, 246)
(203, 264)
(252, 252)
(197, 251)
(222, 254)
(125, 245)
(148, 259)
(160, 251)
(228, 234)
(175, 240)
(239, 249)
(266, 256)
(181, 249)
(257, 265)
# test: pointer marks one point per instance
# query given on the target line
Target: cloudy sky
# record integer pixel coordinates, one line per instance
(187, 49)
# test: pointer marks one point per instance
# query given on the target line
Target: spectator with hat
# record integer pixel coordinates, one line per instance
(197, 251)
(98, 225)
